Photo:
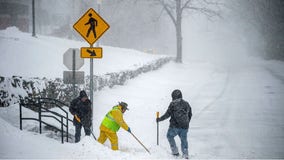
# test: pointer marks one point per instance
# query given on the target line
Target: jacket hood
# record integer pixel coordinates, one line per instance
(83, 94)
(176, 94)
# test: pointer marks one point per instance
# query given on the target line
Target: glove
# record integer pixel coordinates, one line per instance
(77, 118)
(158, 120)
(129, 130)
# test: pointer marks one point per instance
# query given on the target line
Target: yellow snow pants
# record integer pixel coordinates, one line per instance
(106, 134)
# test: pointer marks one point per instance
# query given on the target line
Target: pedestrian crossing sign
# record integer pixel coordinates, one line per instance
(91, 26)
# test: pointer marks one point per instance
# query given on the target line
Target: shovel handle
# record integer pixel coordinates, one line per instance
(157, 116)
(140, 142)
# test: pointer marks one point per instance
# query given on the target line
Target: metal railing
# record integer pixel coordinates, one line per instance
(39, 105)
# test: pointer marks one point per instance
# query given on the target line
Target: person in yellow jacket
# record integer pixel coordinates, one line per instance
(111, 124)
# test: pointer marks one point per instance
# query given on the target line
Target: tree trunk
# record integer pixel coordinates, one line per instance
(179, 43)
(178, 31)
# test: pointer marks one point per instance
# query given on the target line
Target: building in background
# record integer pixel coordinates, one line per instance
(14, 13)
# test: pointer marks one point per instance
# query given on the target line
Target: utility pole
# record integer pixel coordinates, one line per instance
(33, 18)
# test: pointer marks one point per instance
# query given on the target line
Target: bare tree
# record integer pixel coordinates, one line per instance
(175, 9)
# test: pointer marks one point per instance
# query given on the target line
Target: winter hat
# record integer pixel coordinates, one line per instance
(176, 94)
(123, 105)
(83, 94)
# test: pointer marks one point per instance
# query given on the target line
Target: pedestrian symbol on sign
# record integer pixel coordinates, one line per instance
(93, 23)
(91, 26)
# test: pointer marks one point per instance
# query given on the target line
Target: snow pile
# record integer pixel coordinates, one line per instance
(26, 56)
(39, 57)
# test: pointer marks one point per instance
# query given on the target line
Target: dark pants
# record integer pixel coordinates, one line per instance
(78, 127)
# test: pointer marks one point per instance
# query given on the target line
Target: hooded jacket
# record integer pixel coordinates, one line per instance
(179, 110)
(83, 110)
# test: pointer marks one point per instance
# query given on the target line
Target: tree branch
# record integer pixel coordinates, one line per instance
(186, 4)
(204, 7)
(167, 8)
(208, 12)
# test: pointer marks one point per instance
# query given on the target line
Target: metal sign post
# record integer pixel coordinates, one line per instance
(92, 87)
(73, 70)
(91, 78)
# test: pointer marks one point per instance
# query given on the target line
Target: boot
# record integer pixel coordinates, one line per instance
(176, 154)
(185, 156)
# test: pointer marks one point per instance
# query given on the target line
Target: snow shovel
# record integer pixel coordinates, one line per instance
(79, 120)
(157, 116)
(140, 142)
(93, 135)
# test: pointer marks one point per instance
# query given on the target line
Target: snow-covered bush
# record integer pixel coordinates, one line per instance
(15, 88)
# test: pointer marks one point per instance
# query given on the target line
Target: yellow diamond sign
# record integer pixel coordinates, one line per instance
(91, 26)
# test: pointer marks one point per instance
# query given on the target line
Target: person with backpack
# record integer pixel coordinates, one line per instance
(80, 107)
(180, 112)
(111, 123)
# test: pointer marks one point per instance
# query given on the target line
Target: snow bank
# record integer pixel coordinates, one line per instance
(28, 57)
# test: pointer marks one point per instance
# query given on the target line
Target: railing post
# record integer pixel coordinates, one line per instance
(39, 115)
(62, 141)
(67, 127)
(21, 115)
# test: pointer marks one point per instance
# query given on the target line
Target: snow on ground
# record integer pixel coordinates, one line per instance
(237, 113)
(23, 55)
(145, 95)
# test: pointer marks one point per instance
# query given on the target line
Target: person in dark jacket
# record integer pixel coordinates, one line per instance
(180, 112)
(80, 107)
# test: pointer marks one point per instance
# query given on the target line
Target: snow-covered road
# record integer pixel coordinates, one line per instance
(247, 120)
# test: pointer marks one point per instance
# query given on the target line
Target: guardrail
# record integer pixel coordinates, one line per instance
(38, 103)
